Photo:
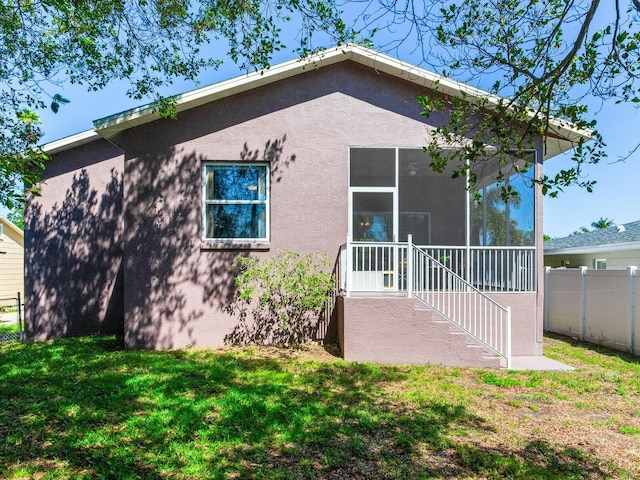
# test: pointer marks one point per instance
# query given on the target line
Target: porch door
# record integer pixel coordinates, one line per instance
(374, 229)
(372, 213)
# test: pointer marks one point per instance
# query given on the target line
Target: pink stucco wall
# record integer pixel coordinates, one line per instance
(395, 329)
(526, 320)
(73, 244)
(174, 286)
(539, 302)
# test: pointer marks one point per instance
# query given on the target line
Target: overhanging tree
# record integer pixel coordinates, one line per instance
(149, 43)
(545, 58)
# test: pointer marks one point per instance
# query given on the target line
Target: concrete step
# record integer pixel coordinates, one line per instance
(401, 330)
(461, 344)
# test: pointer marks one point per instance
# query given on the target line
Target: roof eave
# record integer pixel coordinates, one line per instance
(110, 127)
(564, 136)
(72, 141)
(610, 247)
(12, 226)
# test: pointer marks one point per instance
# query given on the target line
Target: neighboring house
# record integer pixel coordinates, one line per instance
(141, 219)
(615, 247)
(11, 260)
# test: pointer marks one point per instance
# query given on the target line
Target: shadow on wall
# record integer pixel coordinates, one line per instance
(263, 326)
(171, 282)
(271, 153)
(73, 259)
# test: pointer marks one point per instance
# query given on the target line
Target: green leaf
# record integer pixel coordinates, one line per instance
(59, 98)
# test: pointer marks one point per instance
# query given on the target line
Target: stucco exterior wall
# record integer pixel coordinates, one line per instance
(402, 330)
(11, 262)
(73, 240)
(115, 240)
(538, 313)
(396, 329)
(526, 321)
(303, 127)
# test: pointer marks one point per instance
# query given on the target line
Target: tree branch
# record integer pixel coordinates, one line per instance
(566, 61)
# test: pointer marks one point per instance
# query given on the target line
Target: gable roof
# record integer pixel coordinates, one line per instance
(14, 228)
(562, 137)
(612, 238)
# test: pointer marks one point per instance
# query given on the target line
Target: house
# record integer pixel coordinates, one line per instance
(141, 219)
(616, 247)
(11, 260)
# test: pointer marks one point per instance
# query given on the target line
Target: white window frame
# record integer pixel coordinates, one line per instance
(266, 202)
(360, 189)
(600, 261)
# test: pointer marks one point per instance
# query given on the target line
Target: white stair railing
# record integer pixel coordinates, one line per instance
(439, 287)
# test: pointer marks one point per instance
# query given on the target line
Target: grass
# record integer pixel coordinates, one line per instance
(6, 328)
(84, 408)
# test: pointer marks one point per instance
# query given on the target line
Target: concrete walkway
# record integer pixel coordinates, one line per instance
(538, 362)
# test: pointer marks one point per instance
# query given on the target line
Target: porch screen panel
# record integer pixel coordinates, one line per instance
(372, 217)
(495, 222)
(373, 167)
(431, 206)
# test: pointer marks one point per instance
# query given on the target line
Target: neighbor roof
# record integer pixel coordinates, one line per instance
(11, 226)
(563, 135)
(612, 238)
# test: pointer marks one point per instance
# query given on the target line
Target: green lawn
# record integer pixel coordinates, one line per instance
(84, 408)
(6, 328)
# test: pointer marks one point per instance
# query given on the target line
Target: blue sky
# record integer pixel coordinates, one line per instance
(616, 194)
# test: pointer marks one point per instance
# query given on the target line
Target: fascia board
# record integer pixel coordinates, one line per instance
(72, 141)
(11, 226)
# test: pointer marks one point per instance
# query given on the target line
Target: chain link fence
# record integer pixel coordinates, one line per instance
(11, 322)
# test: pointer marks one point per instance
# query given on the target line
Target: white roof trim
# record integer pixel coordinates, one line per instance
(612, 247)
(69, 142)
(13, 227)
(109, 127)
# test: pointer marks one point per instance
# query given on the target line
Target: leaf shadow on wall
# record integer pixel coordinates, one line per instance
(272, 153)
(180, 287)
(73, 256)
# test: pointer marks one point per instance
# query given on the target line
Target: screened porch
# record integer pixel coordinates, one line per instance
(395, 198)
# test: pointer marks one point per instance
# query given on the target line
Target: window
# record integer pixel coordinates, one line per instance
(236, 201)
(600, 263)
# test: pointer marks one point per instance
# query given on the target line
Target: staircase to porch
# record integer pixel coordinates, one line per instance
(451, 321)
(395, 329)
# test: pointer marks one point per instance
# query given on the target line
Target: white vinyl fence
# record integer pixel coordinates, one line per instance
(596, 306)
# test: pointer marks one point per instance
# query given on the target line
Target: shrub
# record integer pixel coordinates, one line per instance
(284, 295)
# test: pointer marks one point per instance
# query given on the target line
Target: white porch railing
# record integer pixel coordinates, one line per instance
(449, 279)
(382, 266)
(494, 269)
(460, 302)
